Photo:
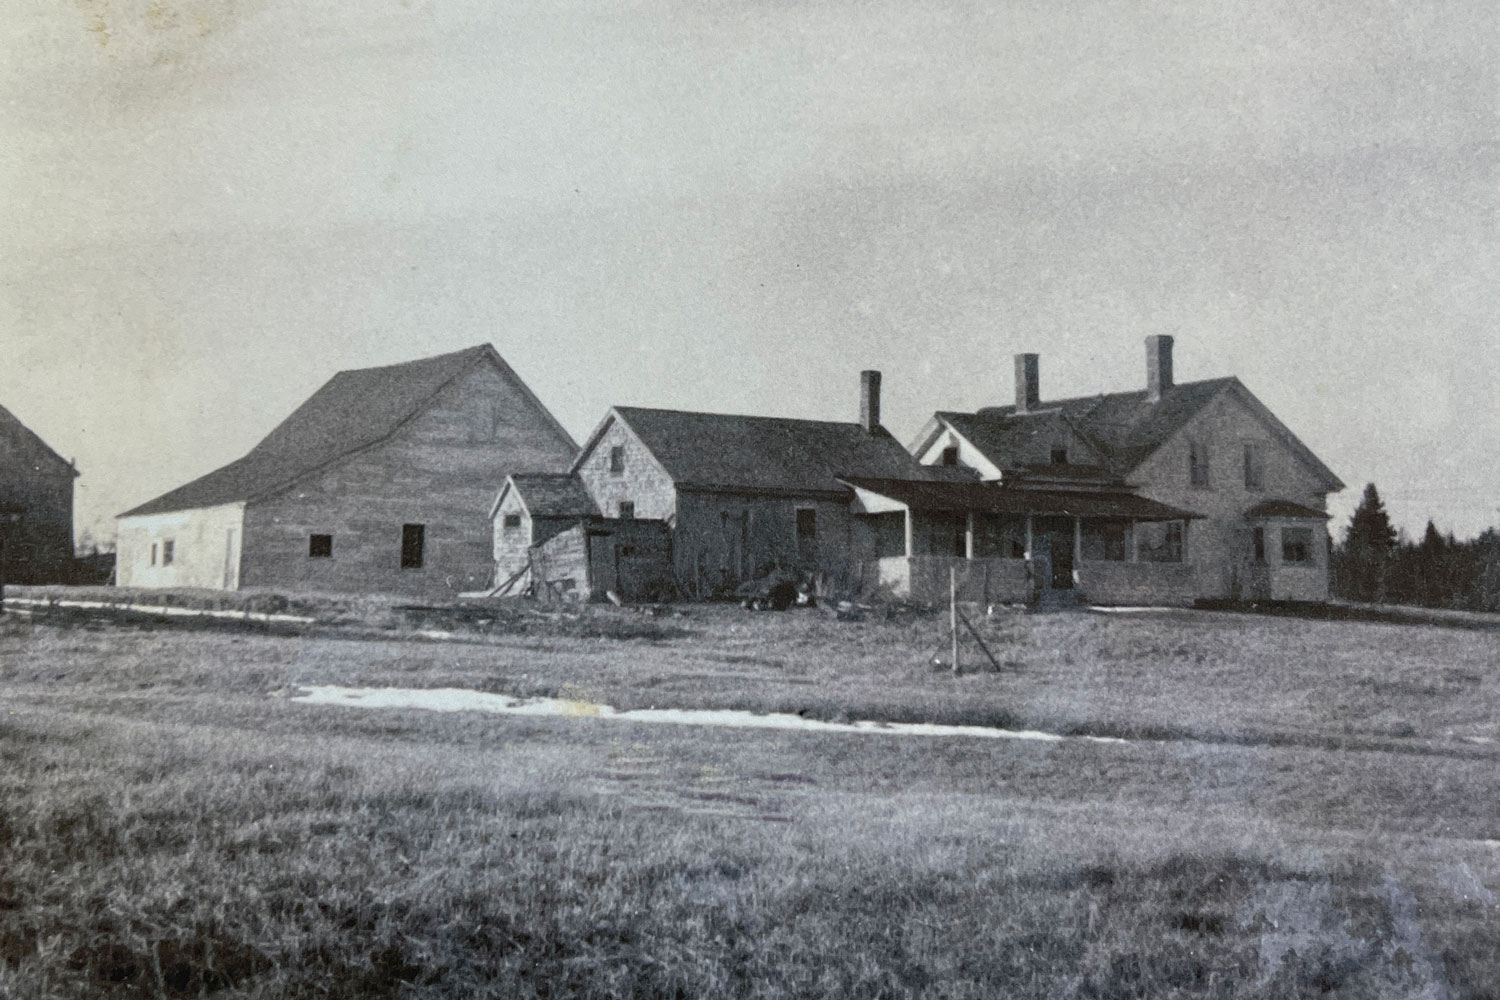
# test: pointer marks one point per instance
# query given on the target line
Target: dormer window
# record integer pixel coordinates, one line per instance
(950, 455)
(1060, 455)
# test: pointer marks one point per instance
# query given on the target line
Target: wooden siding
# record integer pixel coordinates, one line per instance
(642, 482)
(205, 548)
(723, 540)
(39, 549)
(441, 470)
(1217, 544)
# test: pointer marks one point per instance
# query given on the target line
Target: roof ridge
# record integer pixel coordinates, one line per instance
(737, 416)
(1052, 404)
(477, 348)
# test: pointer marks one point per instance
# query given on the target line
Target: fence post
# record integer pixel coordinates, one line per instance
(953, 611)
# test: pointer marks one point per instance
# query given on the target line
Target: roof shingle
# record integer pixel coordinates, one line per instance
(554, 494)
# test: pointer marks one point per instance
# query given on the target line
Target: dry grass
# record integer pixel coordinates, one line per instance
(168, 830)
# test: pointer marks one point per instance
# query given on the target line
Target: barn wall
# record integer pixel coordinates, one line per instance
(40, 548)
(642, 482)
(442, 470)
(1216, 543)
(560, 566)
(722, 540)
(206, 548)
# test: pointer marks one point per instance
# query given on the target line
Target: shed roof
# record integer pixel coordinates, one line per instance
(353, 410)
(990, 498)
(717, 451)
(1284, 508)
(552, 494)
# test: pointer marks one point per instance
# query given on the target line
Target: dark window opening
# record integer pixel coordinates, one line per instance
(413, 537)
(1105, 541)
(1160, 541)
(1258, 540)
(890, 533)
(617, 459)
(168, 550)
(1296, 545)
(627, 510)
(153, 553)
(511, 522)
(1198, 464)
(626, 551)
(1059, 456)
(999, 536)
(319, 546)
(950, 455)
(1254, 467)
(807, 532)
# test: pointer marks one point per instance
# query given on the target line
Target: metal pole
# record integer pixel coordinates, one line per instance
(953, 611)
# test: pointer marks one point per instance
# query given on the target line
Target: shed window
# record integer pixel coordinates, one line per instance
(1060, 456)
(1296, 545)
(950, 455)
(511, 522)
(1104, 541)
(153, 553)
(1255, 472)
(413, 538)
(807, 532)
(1160, 541)
(319, 546)
(627, 510)
(617, 459)
(168, 549)
(1198, 464)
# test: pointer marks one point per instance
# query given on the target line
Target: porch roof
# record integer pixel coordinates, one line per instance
(988, 498)
(1284, 508)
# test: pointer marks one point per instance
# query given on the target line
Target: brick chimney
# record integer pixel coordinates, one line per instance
(1158, 367)
(1028, 382)
(869, 401)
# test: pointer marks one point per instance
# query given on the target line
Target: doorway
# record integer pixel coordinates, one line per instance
(1053, 537)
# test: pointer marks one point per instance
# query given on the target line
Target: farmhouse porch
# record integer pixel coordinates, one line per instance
(1014, 544)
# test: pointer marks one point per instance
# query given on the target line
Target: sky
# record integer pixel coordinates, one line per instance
(211, 206)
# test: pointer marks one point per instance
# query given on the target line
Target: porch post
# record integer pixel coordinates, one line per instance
(969, 536)
(909, 552)
(1028, 537)
(1077, 540)
(1135, 542)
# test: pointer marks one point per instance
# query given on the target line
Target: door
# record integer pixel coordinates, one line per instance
(603, 575)
(1054, 538)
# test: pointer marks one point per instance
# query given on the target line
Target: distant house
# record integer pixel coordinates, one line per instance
(379, 482)
(36, 507)
(1210, 448)
(744, 494)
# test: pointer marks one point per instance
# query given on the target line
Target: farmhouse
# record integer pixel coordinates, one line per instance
(379, 482)
(1208, 447)
(745, 495)
(36, 507)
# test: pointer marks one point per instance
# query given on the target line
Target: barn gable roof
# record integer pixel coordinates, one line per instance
(549, 494)
(731, 453)
(30, 446)
(352, 411)
(1123, 428)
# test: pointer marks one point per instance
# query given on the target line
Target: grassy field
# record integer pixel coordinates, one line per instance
(1305, 809)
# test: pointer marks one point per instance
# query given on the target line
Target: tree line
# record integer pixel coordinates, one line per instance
(1376, 563)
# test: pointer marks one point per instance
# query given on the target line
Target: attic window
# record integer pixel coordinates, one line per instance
(320, 546)
(1255, 471)
(413, 539)
(511, 522)
(1198, 464)
(627, 510)
(617, 459)
(1060, 456)
(950, 455)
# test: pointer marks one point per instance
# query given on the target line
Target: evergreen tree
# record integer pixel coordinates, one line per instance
(1366, 558)
(1371, 526)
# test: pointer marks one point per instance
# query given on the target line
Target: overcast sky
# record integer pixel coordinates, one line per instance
(213, 205)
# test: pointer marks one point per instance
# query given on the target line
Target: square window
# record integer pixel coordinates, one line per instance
(1160, 541)
(1105, 541)
(1059, 456)
(617, 459)
(1296, 545)
(511, 522)
(320, 546)
(950, 455)
(627, 510)
(413, 539)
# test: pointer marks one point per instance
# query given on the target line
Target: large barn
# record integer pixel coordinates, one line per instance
(379, 482)
(36, 507)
